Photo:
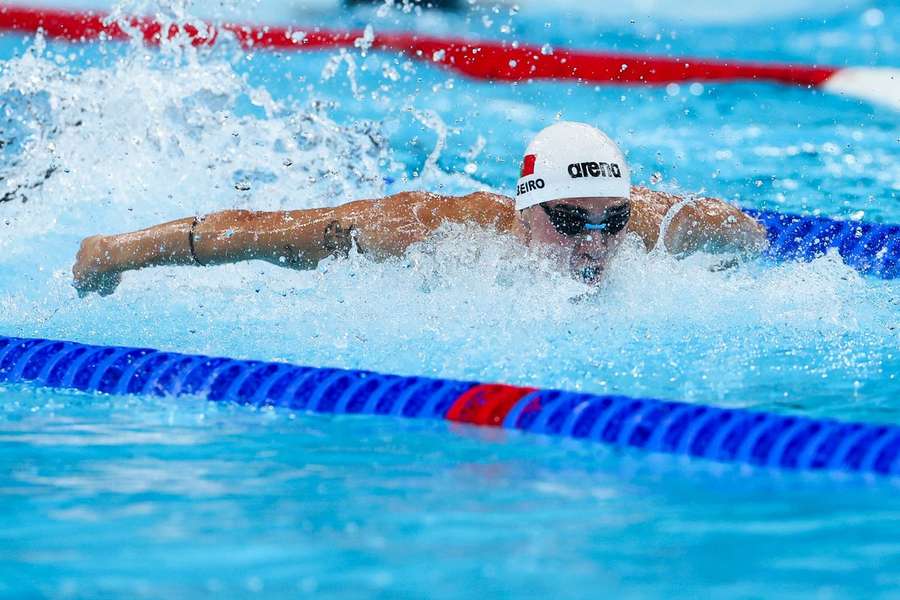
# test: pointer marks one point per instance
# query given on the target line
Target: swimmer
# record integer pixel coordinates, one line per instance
(574, 197)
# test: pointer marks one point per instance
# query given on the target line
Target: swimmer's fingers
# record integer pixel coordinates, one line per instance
(108, 283)
(82, 284)
(80, 279)
(98, 282)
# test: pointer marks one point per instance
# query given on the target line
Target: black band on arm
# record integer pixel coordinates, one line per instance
(197, 221)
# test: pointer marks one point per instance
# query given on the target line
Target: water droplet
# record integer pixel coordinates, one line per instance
(872, 17)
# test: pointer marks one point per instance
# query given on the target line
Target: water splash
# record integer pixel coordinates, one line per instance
(155, 136)
(115, 137)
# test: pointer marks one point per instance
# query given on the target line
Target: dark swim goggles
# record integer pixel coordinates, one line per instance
(574, 220)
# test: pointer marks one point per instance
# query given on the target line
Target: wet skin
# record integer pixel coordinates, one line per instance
(388, 226)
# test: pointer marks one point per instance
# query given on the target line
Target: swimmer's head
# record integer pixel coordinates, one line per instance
(574, 196)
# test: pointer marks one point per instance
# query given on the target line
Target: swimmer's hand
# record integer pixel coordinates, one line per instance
(94, 270)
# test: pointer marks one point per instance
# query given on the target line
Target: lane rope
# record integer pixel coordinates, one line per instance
(870, 248)
(724, 435)
(479, 59)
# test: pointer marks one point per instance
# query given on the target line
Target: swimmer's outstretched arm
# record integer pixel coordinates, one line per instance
(298, 239)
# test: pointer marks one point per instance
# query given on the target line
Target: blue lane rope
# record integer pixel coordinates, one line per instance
(870, 248)
(724, 435)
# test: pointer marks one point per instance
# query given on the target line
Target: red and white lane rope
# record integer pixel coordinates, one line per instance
(479, 59)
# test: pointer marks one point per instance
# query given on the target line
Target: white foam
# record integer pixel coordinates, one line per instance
(138, 143)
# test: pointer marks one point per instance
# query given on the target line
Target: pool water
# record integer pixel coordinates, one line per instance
(114, 496)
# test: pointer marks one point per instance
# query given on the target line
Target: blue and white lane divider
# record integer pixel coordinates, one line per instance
(723, 435)
(870, 248)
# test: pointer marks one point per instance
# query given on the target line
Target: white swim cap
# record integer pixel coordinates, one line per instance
(572, 160)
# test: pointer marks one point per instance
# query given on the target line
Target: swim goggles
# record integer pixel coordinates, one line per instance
(574, 220)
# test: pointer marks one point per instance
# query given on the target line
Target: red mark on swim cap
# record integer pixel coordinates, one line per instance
(528, 165)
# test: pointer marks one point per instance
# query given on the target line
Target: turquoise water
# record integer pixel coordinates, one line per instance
(147, 497)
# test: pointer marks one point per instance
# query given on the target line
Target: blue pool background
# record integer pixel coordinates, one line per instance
(149, 497)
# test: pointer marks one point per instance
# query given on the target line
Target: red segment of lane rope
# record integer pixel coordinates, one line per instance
(486, 404)
(497, 61)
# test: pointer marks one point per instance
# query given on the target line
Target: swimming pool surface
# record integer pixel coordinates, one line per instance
(148, 497)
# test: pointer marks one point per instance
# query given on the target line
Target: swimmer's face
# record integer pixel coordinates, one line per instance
(584, 232)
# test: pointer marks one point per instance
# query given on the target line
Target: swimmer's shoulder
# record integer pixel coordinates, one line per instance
(648, 207)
